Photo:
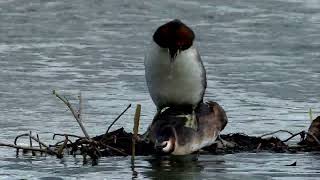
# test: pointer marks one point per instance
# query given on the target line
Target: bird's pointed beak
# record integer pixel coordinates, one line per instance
(173, 52)
(160, 145)
(166, 147)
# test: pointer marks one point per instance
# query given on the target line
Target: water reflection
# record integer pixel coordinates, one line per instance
(174, 167)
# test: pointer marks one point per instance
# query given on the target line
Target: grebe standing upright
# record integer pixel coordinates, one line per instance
(174, 71)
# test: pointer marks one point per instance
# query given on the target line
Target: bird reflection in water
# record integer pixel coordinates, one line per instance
(174, 167)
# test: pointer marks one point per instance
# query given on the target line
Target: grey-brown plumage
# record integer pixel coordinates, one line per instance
(170, 134)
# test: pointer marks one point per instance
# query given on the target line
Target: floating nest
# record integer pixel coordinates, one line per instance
(122, 143)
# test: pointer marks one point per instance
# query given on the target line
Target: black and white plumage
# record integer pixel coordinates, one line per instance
(174, 71)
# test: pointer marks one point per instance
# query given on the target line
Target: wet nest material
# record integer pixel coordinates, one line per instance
(122, 143)
(119, 143)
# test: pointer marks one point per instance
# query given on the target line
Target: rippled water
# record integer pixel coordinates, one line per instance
(262, 61)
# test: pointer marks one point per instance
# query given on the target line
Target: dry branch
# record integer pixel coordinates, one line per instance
(76, 114)
(61, 148)
(271, 133)
(48, 151)
(30, 136)
(68, 135)
(301, 133)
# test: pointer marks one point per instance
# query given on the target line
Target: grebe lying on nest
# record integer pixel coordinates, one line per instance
(171, 136)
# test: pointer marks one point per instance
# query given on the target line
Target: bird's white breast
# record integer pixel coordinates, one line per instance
(177, 82)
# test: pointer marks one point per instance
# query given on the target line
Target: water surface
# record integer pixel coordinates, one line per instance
(262, 62)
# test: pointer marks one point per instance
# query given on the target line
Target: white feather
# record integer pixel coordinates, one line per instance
(177, 82)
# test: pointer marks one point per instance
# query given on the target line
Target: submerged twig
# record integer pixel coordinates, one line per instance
(135, 130)
(75, 114)
(134, 138)
(118, 118)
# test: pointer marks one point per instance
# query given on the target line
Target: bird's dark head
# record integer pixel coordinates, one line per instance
(175, 36)
(165, 140)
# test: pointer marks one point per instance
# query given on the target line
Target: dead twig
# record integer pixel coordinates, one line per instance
(32, 137)
(59, 142)
(35, 139)
(69, 135)
(258, 147)
(118, 118)
(60, 150)
(276, 132)
(40, 146)
(76, 114)
(117, 150)
(294, 135)
(17, 137)
(114, 149)
(80, 107)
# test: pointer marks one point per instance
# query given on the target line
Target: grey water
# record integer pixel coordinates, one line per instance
(262, 61)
